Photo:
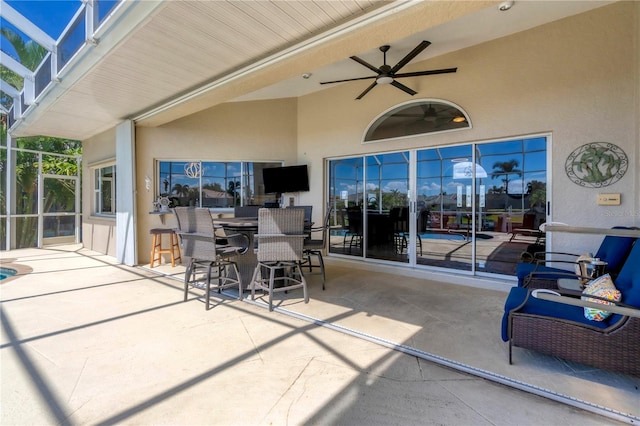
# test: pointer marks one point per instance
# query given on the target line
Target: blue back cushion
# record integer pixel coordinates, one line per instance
(628, 280)
(614, 250)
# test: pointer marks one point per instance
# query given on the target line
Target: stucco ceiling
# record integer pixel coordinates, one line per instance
(163, 61)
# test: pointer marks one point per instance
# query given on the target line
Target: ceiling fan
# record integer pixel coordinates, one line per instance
(387, 74)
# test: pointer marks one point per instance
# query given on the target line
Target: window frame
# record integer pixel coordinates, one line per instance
(247, 192)
(97, 189)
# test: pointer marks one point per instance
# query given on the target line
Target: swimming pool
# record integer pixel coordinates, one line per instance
(454, 236)
(6, 273)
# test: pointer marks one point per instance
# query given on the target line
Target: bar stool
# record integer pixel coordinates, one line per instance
(156, 246)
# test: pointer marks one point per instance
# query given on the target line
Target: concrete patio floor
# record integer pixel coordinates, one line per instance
(86, 341)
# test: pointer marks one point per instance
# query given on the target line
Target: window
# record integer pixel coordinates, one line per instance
(213, 184)
(416, 118)
(104, 190)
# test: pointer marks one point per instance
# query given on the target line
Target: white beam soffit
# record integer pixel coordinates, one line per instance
(276, 58)
(168, 111)
(122, 21)
(27, 27)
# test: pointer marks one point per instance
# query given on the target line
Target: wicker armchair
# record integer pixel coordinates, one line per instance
(208, 260)
(537, 274)
(280, 240)
(556, 325)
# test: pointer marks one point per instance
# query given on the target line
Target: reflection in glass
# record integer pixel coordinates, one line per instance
(456, 228)
(214, 184)
(415, 118)
(346, 196)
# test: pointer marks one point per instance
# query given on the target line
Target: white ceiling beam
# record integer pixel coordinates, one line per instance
(9, 89)
(27, 27)
(15, 66)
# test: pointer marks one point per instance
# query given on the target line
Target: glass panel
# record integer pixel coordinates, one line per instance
(417, 118)
(3, 233)
(103, 8)
(254, 191)
(346, 195)
(224, 184)
(26, 231)
(26, 183)
(387, 231)
(444, 202)
(59, 226)
(218, 190)
(71, 42)
(59, 195)
(43, 75)
(3, 181)
(514, 202)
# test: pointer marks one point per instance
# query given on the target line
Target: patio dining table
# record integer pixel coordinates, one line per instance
(248, 226)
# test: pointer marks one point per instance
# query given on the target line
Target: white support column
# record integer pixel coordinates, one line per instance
(126, 239)
(11, 192)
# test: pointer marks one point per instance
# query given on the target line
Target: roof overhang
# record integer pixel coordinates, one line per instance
(154, 62)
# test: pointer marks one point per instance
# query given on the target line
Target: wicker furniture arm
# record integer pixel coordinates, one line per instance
(615, 348)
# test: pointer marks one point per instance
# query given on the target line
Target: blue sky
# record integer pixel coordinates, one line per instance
(52, 16)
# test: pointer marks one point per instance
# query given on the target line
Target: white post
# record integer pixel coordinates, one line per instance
(126, 239)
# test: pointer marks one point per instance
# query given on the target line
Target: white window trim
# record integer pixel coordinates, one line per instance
(96, 198)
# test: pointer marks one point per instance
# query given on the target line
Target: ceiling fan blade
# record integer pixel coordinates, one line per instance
(374, 84)
(430, 72)
(348, 79)
(366, 64)
(403, 88)
(415, 52)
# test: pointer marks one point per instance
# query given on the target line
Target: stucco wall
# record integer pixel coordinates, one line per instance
(576, 79)
(98, 233)
(254, 131)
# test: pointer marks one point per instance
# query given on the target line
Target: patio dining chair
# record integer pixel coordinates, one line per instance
(315, 246)
(210, 264)
(280, 240)
(353, 232)
(308, 215)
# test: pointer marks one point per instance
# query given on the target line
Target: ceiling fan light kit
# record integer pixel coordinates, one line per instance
(505, 5)
(386, 74)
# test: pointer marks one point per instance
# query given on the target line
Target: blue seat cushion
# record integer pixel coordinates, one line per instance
(535, 306)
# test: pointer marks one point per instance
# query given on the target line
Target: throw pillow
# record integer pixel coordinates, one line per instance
(602, 287)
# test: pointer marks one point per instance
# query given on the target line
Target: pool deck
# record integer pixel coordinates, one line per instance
(87, 341)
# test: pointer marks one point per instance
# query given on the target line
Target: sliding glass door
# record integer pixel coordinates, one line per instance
(473, 207)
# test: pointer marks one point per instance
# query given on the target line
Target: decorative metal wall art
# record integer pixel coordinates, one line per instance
(596, 164)
(193, 169)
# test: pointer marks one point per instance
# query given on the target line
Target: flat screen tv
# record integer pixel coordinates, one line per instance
(285, 179)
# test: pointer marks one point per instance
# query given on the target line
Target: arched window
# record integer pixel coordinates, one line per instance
(417, 117)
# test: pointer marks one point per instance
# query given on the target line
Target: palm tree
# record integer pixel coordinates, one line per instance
(234, 187)
(506, 168)
(60, 193)
(30, 54)
(180, 190)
